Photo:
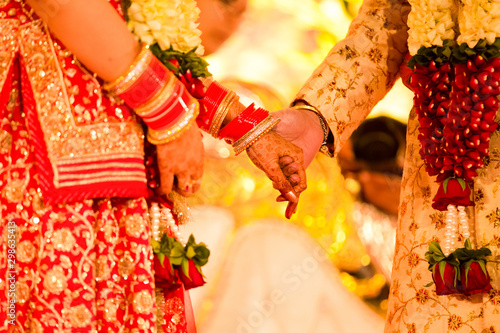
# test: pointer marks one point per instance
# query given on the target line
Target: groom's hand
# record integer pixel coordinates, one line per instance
(302, 128)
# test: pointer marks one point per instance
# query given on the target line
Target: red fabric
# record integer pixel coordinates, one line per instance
(82, 266)
(77, 192)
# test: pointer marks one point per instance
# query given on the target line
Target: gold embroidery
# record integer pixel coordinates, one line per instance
(103, 179)
(65, 138)
(412, 328)
(422, 296)
(8, 31)
(13, 99)
(80, 316)
(26, 251)
(22, 292)
(494, 297)
(103, 269)
(494, 217)
(175, 309)
(454, 322)
(14, 190)
(143, 302)
(110, 310)
(36, 327)
(5, 142)
(135, 225)
(160, 310)
(126, 265)
(63, 240)
(55, 280)
(438, 220)
(102, 175)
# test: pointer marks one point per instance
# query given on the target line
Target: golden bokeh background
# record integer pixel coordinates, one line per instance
(267, 60)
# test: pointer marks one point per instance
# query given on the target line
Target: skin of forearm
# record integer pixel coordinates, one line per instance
(93, 31)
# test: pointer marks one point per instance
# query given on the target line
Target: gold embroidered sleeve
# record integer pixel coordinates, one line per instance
(360, 69)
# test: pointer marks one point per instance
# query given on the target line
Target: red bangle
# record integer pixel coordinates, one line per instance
(157, 96)
(243, 123)
(213, 97)
(170, 110)
(146, 85)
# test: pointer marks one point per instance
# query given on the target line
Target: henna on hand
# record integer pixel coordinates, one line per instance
(266, 154)
(180, 162)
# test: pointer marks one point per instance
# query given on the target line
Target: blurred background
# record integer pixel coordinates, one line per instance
(328, 268)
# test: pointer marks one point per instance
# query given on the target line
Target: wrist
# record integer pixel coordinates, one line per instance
(311, 112)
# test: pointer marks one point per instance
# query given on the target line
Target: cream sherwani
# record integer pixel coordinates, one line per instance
(355, 75)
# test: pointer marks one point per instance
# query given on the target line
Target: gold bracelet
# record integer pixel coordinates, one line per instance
(305, 107)
(326, 130)
(175, 131)
(221, 113)
(255, 134)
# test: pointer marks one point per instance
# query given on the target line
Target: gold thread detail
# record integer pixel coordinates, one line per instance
(255, 134)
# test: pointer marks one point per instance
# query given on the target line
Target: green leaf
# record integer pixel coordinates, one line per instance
(185, 268)
(445, 185)
(467, 269)
(468, 244)
(429, 284)
(435, 248)
(482, 264)
(442, 266)
(190, 253)
(161, 257)
(462, 183)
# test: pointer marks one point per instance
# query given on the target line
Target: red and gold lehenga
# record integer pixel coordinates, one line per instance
(75, 192)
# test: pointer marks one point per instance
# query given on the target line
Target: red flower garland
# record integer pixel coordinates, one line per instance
(456, 106)
(456, 101)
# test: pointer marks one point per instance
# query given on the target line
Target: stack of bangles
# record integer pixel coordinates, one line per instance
(244, 130)
(157, 96)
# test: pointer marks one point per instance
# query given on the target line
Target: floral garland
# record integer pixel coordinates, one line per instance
(455, 59)
(170, 30)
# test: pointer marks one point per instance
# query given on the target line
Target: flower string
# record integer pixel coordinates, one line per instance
(455, 48)
(169, 28)
(169, 23)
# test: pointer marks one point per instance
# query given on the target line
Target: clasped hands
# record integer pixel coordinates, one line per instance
(282, 154)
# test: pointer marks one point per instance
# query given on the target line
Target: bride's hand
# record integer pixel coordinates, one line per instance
(180, 163)
(266, 154)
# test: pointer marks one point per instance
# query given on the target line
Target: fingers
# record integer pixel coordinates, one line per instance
(166, 181)
(183, 184)
(196, 186)
(281, 183)
(294, 179)
(284, 161)
(291, 209)
(291, 169)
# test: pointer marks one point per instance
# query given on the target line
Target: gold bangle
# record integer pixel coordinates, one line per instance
(221, 113)
(176, 130)
(305, 107)
(326, 130)
(255, 134)
(135, 70)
